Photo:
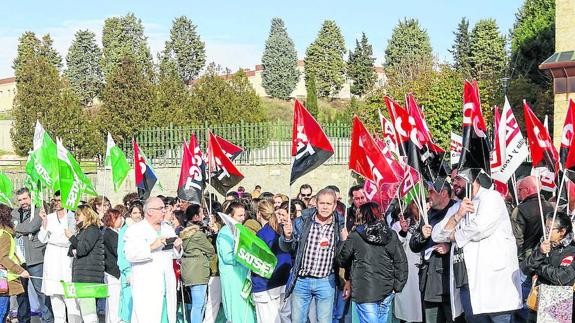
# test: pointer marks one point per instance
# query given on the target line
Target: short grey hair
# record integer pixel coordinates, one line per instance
(327, 191)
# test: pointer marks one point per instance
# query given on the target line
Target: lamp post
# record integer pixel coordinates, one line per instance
(505, 82)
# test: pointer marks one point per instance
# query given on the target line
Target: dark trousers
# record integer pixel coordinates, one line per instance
(437, 312)
(43, 301)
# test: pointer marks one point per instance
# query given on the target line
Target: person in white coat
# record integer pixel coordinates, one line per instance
(57, 263)
(485, 282)
(151, 245)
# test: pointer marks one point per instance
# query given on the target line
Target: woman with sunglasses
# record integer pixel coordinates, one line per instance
(87, 249)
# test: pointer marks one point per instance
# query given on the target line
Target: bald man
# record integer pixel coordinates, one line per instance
(526, 218)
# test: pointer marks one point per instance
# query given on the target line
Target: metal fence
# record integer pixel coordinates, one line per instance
(265, 143)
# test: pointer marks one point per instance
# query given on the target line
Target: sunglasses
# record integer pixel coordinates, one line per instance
(305, 195)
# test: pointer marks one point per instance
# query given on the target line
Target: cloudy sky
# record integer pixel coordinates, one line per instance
(235, 31)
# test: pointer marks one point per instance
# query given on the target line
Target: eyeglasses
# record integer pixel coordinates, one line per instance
(550, 229)
(162, 209)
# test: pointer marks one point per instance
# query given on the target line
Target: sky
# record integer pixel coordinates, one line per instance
(235, 31)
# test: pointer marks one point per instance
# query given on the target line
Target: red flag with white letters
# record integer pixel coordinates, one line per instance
(475, 146)
(366, 158)
(223, 173)
(310, 146)
(567, 134)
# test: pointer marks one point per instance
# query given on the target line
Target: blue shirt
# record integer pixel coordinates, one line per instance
(282, 270)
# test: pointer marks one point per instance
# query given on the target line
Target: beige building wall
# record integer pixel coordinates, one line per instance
(7, 93)
(255, 79)
(564, 41)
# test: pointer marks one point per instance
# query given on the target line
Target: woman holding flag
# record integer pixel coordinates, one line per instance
(9, 263)
(269, 294)
(87, 249)
(234, 276)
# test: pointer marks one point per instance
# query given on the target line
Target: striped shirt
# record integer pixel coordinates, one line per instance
(319, 251)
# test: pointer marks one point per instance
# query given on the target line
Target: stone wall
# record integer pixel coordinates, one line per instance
(5, 139)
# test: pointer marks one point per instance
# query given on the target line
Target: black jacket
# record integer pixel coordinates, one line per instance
(526, 224)
(111, 252)
(434, 272)
(558, 269)
(88, 263)
(378, 262)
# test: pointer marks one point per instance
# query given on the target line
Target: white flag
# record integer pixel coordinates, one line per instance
(513, 146)
(455, 147)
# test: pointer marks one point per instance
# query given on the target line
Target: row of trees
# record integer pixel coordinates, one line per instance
(121, 89)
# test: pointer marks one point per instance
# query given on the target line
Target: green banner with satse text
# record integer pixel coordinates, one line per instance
(253, 253)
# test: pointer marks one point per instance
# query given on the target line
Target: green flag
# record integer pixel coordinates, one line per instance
(412, 194)
(116, 160)
(250, 250)
(85, 290)
(253, 253)
(46, 165)
(32, 181)
(85, 183)
(71, 183)
(5, 190)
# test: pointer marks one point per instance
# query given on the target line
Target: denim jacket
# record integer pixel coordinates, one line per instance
(296, 245)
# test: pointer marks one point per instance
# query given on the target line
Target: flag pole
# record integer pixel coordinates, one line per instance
(556, 204)
(423, 204)
(210, 173)
(291, 161)
(514, 186)
(538, 188)
(347, 200)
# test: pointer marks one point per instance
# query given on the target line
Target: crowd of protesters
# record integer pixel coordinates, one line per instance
(464, 256)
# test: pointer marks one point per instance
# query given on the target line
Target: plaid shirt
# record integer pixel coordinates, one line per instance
(319, 251)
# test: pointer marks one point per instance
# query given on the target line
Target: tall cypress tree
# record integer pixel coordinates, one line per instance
(83, 67)
(128, 99)
(280, 75)
(324, 60)
(311, 97)
(172, 104)
(461, 48)
(121, 37)
(37, 89)
(488, 61)
(360, 67)
(408, 54)
(186, 49)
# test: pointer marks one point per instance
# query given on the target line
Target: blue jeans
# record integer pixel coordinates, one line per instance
(341, 308)
(43, 301)
(4, 307)
(308, 288)
(500, 317)
(375, 312)
(198, 297)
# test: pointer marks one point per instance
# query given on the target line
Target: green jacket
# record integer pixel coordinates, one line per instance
(195, 260)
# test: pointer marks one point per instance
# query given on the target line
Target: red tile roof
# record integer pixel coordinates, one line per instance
(8, 80)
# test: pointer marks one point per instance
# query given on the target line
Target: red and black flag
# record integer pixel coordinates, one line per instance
(567, 133)
(544, 156)
(366, 159)
(231, 150)
(400, 119)
(192, 175)
(310, 146)
(223, 174)
(475, 145)
(422, 153)
(143, 173)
